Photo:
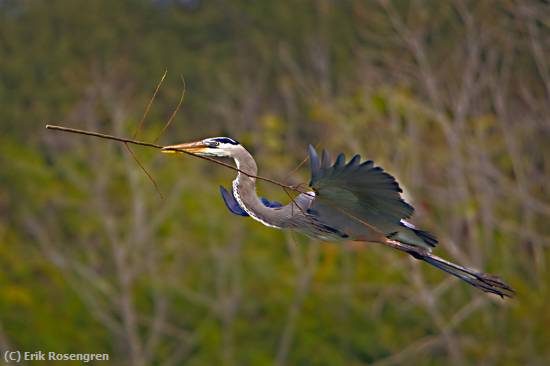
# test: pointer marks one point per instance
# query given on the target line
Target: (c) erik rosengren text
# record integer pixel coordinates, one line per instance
(19, 356)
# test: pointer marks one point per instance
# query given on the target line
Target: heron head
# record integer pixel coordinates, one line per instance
(213, 147)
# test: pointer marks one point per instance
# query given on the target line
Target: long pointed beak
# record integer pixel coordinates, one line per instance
(192, 147)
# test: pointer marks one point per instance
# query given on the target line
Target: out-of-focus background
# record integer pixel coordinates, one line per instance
(453, 97)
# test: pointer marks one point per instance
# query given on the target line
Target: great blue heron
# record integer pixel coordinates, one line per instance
(355, 201)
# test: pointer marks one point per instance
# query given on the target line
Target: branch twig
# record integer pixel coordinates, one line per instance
(173, 115)
(140, 126)
(156, 146)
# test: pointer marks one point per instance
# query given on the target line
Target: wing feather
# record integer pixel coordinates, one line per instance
(363, 190)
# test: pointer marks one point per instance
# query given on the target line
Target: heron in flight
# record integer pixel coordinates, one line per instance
(351, 200)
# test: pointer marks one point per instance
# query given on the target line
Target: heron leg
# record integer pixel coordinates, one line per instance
(484, 281)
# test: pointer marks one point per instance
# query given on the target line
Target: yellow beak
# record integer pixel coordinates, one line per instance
(192, 147)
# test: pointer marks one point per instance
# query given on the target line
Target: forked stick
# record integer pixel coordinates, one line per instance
(156, 146)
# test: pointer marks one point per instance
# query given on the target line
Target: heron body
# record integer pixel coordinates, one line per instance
(350, 200)
(321, 220)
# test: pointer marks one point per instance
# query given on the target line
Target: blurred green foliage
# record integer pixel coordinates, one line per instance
(452, 97)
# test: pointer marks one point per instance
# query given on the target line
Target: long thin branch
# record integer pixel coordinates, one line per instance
(156, 146)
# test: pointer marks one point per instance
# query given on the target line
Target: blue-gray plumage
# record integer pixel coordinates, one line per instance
(365, 192)
(235, 208)
(351, 200)
(231, 202)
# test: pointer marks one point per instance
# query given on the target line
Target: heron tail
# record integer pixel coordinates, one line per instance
(483, 281)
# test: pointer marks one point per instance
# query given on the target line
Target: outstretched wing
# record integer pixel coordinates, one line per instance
(362, 191)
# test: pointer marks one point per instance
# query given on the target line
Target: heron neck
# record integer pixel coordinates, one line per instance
(244, 188)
